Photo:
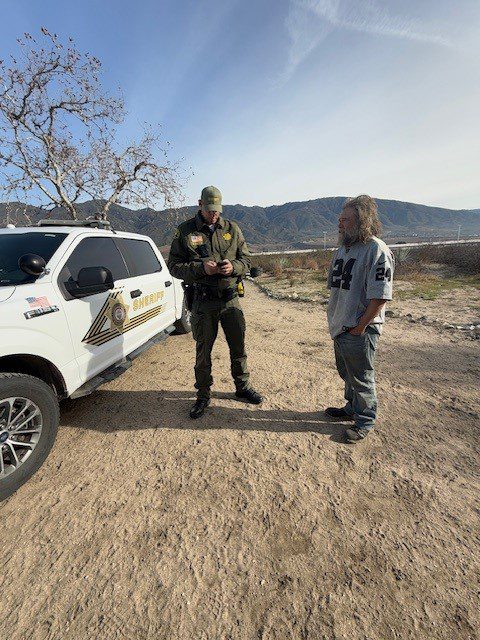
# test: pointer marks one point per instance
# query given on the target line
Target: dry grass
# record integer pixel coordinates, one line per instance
(431, 270)
(435, 270)
(277, 264)
(464, 257)
(302, 282)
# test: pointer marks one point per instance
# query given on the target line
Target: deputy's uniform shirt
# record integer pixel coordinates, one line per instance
(195, 242)
(357, 275)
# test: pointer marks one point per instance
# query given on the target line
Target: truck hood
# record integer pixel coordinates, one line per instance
(6, 292)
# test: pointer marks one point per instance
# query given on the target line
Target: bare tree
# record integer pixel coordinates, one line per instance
(58, 132)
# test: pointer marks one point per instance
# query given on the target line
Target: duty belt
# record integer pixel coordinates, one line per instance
(204, 292)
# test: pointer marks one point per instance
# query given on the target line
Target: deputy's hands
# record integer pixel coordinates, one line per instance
(226, 269)
(211, 267)
(359, 330)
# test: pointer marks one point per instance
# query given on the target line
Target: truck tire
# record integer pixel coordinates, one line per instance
(183, 324)
(29, 417)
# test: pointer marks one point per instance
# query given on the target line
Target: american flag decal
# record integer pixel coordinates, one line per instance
(41, 302)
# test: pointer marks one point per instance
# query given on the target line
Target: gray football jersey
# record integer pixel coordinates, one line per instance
(357, 275)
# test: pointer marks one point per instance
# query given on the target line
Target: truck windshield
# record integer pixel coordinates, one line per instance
(14, 245)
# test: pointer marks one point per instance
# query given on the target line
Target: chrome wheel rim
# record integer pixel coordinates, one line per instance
(21, 425)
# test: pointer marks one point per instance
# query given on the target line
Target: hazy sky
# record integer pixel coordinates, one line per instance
(283, 100)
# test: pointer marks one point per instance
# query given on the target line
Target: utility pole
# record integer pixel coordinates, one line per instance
(458, 235)
(324, 240)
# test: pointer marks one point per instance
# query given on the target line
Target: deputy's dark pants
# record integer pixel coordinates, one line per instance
(206, 314)
(355, 358)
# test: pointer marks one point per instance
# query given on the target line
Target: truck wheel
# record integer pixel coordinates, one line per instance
(29, 417)
(183, 324)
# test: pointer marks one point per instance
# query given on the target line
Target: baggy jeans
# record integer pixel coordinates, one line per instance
(355, 357)
(206, 316)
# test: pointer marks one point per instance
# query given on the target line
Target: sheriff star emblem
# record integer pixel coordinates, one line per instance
(117, 312)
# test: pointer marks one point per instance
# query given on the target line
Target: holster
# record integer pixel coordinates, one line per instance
(189, 293)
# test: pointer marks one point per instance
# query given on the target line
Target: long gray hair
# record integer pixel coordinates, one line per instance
(367, 215)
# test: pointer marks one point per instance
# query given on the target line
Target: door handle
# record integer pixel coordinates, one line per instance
(168, 283)
(136, 293)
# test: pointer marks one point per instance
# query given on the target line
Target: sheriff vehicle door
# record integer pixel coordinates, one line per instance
(94, 320)
(149, 291)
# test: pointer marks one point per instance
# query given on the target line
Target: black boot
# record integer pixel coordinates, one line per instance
(250, 396)
(356, 434)
(335, 412)
(199, 407)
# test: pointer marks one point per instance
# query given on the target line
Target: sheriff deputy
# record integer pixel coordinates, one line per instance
(211, 254)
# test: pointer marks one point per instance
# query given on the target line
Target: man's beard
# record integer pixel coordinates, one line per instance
(347, 238)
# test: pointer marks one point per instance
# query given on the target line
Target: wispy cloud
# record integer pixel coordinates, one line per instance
(309, 22)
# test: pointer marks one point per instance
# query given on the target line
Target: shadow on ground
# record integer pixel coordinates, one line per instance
(111, 411)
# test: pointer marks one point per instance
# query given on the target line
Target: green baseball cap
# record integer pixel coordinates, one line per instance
(211, 199)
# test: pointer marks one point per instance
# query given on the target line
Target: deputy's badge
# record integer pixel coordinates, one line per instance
(227, 236)
(117, 312)
(195, 240)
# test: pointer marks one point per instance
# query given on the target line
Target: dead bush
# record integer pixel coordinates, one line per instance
(464, 256)
(276, 270)
(312, 261)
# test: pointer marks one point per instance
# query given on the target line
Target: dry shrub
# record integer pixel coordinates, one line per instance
(276, 270)
(323, 259)
(407, 264)
(311, 264)
(267, 263)
(416, 265)
(410, 271)
(296, 261)
(410, 261)
(312, 261)
(466, 257)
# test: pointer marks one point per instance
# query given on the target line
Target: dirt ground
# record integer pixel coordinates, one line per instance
(256, 522)
(456, 306)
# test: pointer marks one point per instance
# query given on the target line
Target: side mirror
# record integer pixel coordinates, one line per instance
(91, 280)
(32, 264)
(255, 272)
(95, 277)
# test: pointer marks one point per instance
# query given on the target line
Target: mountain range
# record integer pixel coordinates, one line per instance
(288, 225)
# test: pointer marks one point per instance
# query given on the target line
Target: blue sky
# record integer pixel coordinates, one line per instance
(283, 100)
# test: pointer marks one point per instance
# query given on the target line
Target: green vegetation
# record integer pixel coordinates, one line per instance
(430, 288)
(433, 270)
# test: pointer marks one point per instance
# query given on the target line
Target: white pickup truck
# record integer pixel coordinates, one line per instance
(78, 302)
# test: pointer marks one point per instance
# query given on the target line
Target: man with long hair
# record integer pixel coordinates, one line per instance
(360, 282)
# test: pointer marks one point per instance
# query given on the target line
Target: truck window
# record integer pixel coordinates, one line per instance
(139, 256)
(14, 245)
(94, 252)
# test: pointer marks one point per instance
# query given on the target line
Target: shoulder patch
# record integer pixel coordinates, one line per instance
(196, 239)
